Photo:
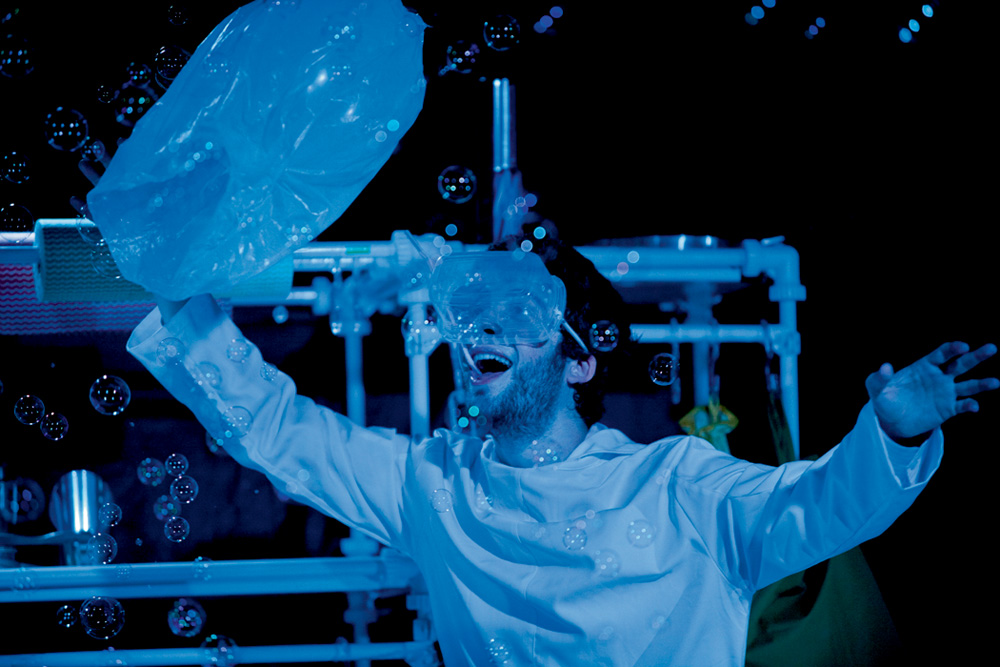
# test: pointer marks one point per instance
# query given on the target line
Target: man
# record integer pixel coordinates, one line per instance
(555, 540)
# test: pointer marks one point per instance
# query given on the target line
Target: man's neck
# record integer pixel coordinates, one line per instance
(551, 445)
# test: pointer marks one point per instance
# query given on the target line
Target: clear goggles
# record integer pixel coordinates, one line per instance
(497, 298)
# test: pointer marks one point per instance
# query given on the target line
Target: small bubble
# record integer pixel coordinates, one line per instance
(184, 489)
(176, 465)
(170, 351)
(238, 351)
(604, 336)
(168, 62)
(110, 395)
(499, 652)
(66, 129)
(186, 617)
(14, 167)
(109, 515)
(176, 529)
(209, 374)
(606, 563)
(238, 421)
(21, 499)
(268, 371)
(501, 32)
(575, 538)
(102, 617)
(150, 471)
(640, 533)
(101, 549)
(124, 572)
(138, 73)
(224, 650)
(54, 426)
(442, 500)
(165, 507)
(67, 616)
(457, 184)
(29, 410)
(663, 369)
(178, 14)
(202, 568)
(15, 222)
(279, 314)
(103, 262)
(17, 56)
(461, 57)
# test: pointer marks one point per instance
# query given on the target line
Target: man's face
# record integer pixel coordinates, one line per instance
(520, 386)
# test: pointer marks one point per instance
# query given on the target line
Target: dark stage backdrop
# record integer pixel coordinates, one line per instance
(870, 156)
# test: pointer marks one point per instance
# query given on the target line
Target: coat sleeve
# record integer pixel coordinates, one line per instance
(309, 452)
(762, 523)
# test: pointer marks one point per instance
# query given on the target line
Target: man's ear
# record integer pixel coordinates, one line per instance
(580, 371)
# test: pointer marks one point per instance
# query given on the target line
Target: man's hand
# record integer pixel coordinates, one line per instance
(927, 393)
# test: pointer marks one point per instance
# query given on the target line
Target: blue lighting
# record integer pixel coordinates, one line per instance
(813, 30)
(821, 22)
(768, 3)
(914, 25)
(757, 12)
(809, 35)
(556, 12)
(905, 36)
(927, 10)
(750, 19)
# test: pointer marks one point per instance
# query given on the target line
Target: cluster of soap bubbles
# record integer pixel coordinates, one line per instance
(183, 490)
(908, 33)
(756, 12)
(30, 411)
(21, 499)
(814, 27)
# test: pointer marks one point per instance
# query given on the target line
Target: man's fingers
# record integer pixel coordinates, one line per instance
(973, 387)
(969, 361)
(967, 405)
(877, 380)
(947, 351)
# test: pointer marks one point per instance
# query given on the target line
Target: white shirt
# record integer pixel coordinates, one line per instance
(623, 554)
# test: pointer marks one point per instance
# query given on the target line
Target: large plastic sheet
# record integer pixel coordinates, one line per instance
(278, 121)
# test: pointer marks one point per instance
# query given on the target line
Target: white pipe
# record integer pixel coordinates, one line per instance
(710, 333)
(208, 578)
(244, 655)
(420, 401)
(353, 350)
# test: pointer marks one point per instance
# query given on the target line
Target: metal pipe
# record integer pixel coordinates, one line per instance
(244, 655)
(206, 578)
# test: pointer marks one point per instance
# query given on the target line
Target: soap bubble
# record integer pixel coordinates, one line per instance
(29, 409)
(268, 371)
(16, 56)
(170, 351)
(101, 549)
(132, 103)
(102, 617)
(110, 395)
(106, 94)
(461, 57)
(177, 14)
(238, 351)
(186, 617)
(202, 568)
(165, 507)
(210, 374)
(15, 221)
(606, 563)
(176, 528)
(104, 263)
(499, 652)
(89, 232)
(457, 184)
(640, 533)
(214, 444)
(21, 499)
(168, 62)
(663, 369)
(238, 421)
(604, 335)
(150, 471)
(14, 167)
(279, 314)
(184, 489)
(176, 465)
(441, 500)
(224, 651)
(109, 515)
(139, 73)
(67, 616)
(93, 151)
(575, 537)
(501, 32)
(66, 129)
(54, 426)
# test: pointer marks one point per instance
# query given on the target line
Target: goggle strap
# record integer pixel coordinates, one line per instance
(575, 336)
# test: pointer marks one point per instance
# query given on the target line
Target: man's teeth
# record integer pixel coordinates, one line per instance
(491, 363)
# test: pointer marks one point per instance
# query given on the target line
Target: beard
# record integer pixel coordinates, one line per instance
(528, 405)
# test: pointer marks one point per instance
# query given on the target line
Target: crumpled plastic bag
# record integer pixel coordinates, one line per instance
(281, 117)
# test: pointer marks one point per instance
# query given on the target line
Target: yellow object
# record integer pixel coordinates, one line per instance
(711, 422)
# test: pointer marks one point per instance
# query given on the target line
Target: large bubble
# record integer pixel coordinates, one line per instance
(110, 395)
(102, 617)
(29, 410)
(186, 617)
(66, 129)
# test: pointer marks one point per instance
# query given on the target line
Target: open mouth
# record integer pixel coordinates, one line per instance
(487, 365)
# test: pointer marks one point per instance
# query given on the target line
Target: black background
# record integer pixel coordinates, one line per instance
(870, 156)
